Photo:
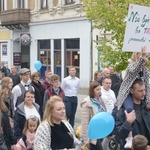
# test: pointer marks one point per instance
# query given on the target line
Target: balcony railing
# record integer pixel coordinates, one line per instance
(16, 18)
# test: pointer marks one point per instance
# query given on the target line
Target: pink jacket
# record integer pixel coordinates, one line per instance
(30, 141)
(20, 145)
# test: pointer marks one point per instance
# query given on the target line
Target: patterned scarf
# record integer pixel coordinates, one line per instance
(98, 104)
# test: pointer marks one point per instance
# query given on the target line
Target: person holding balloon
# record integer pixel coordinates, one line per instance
(90, 106)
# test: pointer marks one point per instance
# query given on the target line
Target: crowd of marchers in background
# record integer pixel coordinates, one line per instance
(28, 103)
(40, 114)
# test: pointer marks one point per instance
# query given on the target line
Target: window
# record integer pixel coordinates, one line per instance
(72, 55)
(57, 57)
(21, 3)
(2, 5)
(70, 1)
(45, 3)
(44, 56)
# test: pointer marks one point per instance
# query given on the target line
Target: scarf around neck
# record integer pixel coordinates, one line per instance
(97, 104)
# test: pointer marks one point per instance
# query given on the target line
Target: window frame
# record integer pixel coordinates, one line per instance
(67, 2)
(20, 4)
(45, 5)
(2, 5)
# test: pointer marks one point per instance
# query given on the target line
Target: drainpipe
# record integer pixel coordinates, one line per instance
(91, 52)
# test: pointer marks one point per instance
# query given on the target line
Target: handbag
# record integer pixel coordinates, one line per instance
(3, 145)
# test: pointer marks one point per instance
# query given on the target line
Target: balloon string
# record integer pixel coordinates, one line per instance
(86, 143)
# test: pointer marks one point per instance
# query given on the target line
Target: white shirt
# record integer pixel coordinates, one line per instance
(70, 86)
(17, 92)
(31, 111)
(109, 99)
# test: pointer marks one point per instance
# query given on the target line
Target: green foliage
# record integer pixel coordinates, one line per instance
(110, 15)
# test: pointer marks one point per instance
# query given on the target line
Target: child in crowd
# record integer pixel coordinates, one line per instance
(136, 69)
(27, 140)
(140, 142)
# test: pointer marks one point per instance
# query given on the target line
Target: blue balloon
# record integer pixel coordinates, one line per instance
(101, 125)
(37, 65)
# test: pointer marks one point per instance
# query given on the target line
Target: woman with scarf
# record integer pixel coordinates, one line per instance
(39, 91)
(90, 106)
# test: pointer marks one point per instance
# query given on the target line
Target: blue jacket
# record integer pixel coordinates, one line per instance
(123, 127)
(20, 119)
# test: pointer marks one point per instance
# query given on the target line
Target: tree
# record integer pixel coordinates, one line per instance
(110, 15)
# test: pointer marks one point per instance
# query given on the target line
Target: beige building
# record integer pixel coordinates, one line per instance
(55, 32)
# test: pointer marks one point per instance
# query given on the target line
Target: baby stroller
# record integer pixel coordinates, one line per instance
(113, 145)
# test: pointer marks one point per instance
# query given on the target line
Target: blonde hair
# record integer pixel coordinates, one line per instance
(33, 118)
(49, 108)
(71, 67)
(5, 90)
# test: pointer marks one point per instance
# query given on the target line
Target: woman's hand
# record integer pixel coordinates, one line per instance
(144, 52)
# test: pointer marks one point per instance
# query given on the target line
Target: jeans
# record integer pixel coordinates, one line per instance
(71, 104)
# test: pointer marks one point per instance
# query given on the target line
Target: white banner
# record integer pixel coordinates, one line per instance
(137, 33)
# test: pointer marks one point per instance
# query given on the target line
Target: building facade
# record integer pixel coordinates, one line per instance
(55, 32)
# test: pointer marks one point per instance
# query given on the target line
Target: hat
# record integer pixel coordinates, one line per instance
(23, 71)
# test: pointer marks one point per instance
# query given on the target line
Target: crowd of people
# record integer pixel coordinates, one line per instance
(28, 104)
(40, 114)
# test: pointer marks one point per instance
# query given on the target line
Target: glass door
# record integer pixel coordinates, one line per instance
(57, 63)
(44, 56)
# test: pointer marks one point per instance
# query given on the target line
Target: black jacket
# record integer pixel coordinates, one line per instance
(123, 127)
(7, 131)
(39, 95)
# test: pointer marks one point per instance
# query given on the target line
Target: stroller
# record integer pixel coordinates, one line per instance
(113, 145)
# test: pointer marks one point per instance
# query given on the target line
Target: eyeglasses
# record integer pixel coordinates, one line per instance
(34, 118)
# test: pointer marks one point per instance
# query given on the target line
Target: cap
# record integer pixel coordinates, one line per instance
(23, 71)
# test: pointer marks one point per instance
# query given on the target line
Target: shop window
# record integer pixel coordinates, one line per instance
(57, 44)
(21, 3)
(72, 58)
(72, 55)
(44, 56)
(44, 44)
(70, 1)
(72, 43)
(45, 3)
(57, 57)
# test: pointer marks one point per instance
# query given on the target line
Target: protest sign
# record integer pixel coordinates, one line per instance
(137, 33)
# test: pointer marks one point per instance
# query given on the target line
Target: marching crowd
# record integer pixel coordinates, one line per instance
(39, 114)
